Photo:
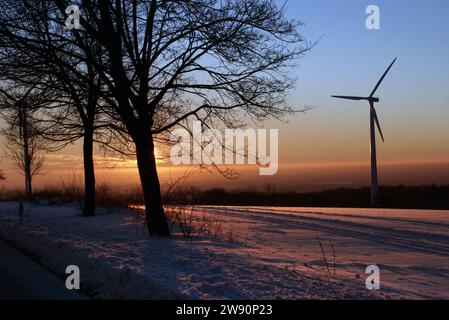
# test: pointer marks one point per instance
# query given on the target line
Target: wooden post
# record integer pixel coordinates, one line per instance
(21, 210)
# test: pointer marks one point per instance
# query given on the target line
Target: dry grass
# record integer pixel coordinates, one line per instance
(196, 222)
(72, 190)
(325, 259)
(192, 221)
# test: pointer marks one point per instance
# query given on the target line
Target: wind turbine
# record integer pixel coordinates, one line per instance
(373, 119)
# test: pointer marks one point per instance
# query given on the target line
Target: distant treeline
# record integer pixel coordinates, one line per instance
(401, 197)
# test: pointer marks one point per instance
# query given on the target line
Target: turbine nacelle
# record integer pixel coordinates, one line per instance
(371, 99)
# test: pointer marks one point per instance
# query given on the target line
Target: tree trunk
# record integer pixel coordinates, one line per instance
(89, 175)
(28, 186)
(146, 162)
(23, 125)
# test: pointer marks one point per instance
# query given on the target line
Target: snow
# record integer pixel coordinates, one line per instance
(275, 253)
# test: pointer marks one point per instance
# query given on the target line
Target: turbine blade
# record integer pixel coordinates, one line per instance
(382, 78)
(349, 97)
(376, 119)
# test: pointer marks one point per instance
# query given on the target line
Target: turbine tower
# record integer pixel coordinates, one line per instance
(374, 121)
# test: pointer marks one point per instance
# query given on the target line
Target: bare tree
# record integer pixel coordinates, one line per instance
(31, 55)
(165, 62)
(22, 141)
(172, 60)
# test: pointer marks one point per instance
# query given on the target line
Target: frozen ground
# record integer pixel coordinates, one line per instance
(411, 247)
(275, 253)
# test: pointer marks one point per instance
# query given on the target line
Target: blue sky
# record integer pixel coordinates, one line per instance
(329, 146)
(414, 107)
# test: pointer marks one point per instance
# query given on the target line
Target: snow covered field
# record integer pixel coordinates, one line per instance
(275, 253)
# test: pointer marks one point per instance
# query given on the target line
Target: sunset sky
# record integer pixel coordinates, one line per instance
(329, 145)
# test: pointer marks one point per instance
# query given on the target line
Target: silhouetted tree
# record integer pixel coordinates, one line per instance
(22, 141)
(173, 60)
(31, 54)
(165, 62)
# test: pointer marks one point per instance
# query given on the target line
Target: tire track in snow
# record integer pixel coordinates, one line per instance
(425, 242)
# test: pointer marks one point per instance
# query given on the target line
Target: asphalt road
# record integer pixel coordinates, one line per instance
(21, 278)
